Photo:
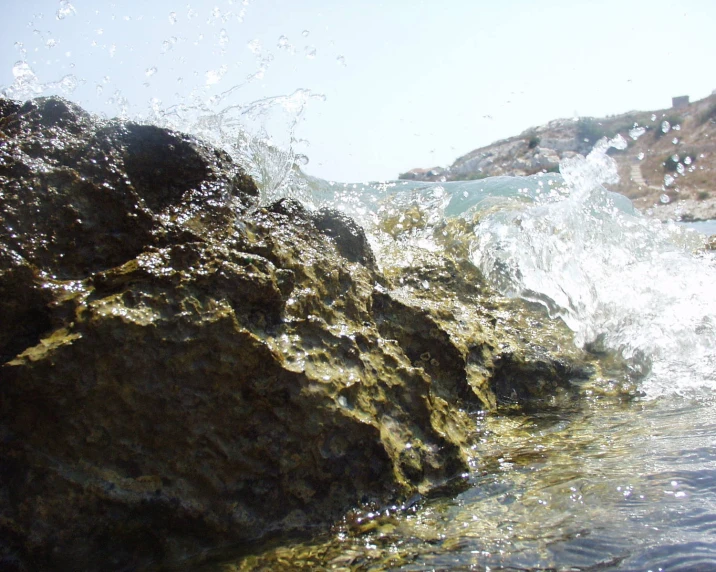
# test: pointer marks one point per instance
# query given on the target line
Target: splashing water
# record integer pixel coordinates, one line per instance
(618, 280)
(222, 103)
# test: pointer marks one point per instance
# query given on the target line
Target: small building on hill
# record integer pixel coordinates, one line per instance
(680, 101)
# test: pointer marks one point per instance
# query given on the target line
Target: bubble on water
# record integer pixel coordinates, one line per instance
(305, 33)
(665, 199)
(310, 52)
(341, 60)
(254, 46)
(223, 37)
(640, 156)
(665, 126)
(149, 72)
(636, 132)
(172, 18)
(66, 9)
(668, 180)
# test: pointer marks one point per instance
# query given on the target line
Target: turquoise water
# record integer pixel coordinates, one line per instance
(707, 227)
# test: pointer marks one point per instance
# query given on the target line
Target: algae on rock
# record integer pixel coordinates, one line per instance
(185, 369)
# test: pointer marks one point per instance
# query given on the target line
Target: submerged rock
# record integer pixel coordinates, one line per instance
(184, 369)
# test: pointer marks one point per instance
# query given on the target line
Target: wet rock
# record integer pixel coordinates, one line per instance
(183, 370)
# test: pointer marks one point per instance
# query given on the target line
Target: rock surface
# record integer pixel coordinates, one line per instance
(183, 369)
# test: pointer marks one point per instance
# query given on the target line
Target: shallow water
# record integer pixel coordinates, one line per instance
(607, 484)
(611, 486)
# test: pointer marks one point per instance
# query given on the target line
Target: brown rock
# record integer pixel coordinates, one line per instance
(183, 371)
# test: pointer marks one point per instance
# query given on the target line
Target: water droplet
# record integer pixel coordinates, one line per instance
(191, 14)
(172, 18)
(214, 76)
(688, 160)
(675, 158)
(665, 199)
(283, 43)
(22, 72)
(680, 169)
(425, 284)
(341, 60)
(676, 127)
(305, 33)
(301, 160)
(51, 43)
(112, 50)
(640, 156)
(66, 9)
(668, 180)
(310, 52)
(99, 31)
(149, 72)
(99, 89)
(255, 46)
(675, 140)
(68, 84)
(223, 37)
(665, 126)
(653, 116)
(636, 132)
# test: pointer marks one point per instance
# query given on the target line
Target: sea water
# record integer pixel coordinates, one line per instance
(617, 485)
(605, 485)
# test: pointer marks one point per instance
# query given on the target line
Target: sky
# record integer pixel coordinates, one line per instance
(394, 85)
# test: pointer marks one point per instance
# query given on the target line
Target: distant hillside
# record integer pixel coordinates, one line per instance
(669, 170)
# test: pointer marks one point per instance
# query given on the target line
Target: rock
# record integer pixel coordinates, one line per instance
(183, 370)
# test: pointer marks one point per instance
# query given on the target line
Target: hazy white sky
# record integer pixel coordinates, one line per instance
(407, 83)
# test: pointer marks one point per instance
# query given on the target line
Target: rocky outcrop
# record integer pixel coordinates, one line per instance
(183, 369)
(667, 168)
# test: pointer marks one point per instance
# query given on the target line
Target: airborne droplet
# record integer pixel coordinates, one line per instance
(283, 43)
(66, 9)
